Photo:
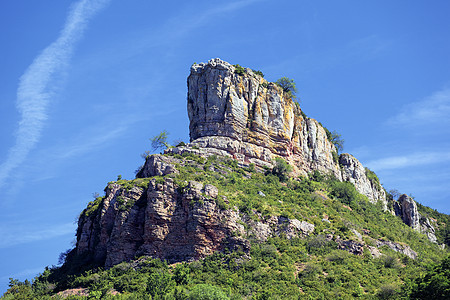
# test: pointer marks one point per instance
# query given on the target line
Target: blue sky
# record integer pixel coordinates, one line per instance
(85, 84)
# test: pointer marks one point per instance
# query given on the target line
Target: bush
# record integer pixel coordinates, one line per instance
(288, 86)
(281, 169)
(258, 72)
(344, 191)
(388, 291)
(435, 284)
(207, 292)
(239, 70)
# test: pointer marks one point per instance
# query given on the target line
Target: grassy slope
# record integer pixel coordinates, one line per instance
(278, 269)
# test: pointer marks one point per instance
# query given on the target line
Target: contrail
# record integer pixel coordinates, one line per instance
(37, 84)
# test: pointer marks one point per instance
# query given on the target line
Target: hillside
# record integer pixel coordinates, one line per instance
(259, 205)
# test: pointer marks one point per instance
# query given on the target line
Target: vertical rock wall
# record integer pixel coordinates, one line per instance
(254, 121)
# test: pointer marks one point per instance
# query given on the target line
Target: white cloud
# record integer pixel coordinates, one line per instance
(37, 84)
(14, 235)
(434, 109)
(411, 160)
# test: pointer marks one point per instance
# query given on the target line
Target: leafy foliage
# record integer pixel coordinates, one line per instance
(239, 70)
(160, 141)
(288, 86)
(280, 268)
(435, 284)
(259, 73)
(281, 169)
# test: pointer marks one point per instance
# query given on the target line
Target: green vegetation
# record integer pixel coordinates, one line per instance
(335, 138)
(239, 70)
(438, 220)
(435, 284)
(92, 207)
(265, 85)
(281, 169)
(288, 86)
(160, 141)
(373, 178)
(298, 268)
(258, 72)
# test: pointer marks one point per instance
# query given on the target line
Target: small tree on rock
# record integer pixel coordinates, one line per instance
(337, 141)
(288, 86)
(281, 169)
(160, 141)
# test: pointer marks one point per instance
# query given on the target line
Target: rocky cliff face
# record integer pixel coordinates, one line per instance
(354, 172)
(159, 218)
(406, 209)
(159, 222)
(252, 120)
(235, 115)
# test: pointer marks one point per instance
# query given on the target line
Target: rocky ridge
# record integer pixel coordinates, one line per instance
(406, 208)
(239, 116)
(170, 222)
(244, 116)
(156, 217)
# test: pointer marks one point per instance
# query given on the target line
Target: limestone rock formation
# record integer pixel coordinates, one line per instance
(169, 221)
(406, 209)
(252, 120)
(159, 222)
(232, 114)
(354, 172)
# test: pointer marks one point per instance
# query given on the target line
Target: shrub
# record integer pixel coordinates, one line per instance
(388, 291)
(435, 284)
(207, 292)
(265, 85)
(160, 141)
(258, 72)
(344, 191)
(239, 70)
(281, 169)
(288, 86)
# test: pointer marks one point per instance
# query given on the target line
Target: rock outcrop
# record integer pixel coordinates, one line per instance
(235, 114)
(241, 115)
(354, 172)
(159, 221)
(406, 208)
(158, 218)
(253, 120)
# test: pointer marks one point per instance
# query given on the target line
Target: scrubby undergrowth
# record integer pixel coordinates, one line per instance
(280, 268)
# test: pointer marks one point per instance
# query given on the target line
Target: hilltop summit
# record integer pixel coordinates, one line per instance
(259, 203)
(234, 114)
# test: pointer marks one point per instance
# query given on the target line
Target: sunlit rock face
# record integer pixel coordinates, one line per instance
(253, 120)
(354, 172)
(239, 113)
(406, 208)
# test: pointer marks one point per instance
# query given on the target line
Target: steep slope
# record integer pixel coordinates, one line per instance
(224, 213)
(242, 115)
(234, 115)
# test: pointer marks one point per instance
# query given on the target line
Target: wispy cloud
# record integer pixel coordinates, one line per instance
(37, 84)
(410, 160)
(434, 109)
(14, 235)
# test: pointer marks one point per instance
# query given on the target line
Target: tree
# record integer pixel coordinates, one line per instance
(288, 86)
(160, 141)
(337, 141)
(281, 169)
(394, 193)
(435, 284)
